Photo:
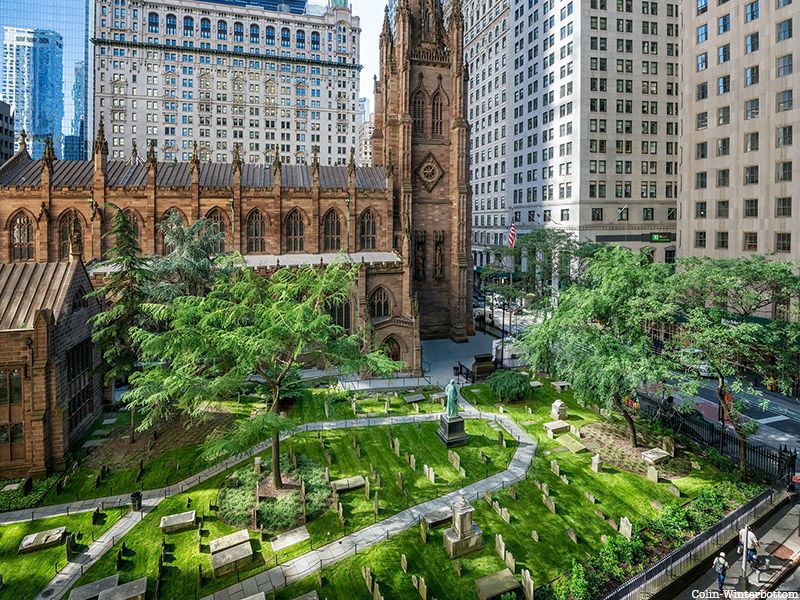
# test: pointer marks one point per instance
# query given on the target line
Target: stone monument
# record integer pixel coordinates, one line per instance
(451, 425)
(558, 411)
(463, 536)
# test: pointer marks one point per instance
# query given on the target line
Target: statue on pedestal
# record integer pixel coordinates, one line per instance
(452, 399)
(451, 424)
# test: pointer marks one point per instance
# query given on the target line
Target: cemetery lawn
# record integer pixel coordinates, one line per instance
(25, 575)
(309, 407)
(143, 542)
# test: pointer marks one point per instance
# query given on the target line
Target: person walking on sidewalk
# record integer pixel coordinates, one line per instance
(749, 543)
(721, 569)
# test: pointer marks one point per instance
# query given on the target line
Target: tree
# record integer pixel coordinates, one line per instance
(126, 277)
(249, 332)
(508, 386)
(189, 269)
(597, 336)
(723, 303)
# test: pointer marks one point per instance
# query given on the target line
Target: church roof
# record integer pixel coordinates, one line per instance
(27, 287)
(21, 171)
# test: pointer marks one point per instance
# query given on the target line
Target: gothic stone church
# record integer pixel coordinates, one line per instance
(406, 220)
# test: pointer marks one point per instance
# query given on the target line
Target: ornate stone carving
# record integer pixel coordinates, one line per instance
(438, 260)
(419, 255)
(429, 172)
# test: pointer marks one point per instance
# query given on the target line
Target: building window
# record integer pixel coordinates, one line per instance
(702, 6)
(723, 146)
(783, 242)
(64, 234)
(256, 233)
(79, 382)
(565, 214)
(222, 30)
(294, 231)
(270, 36)
(702, 33)
(751, 43)
(255, 34)
(724, 115)
(205, 28)
(700, 210)
(379, 305)
(784, 30)
(751, 75)
(750, 241)
(418, 113)
(751, 141)
(597, 214)
(723, 24)
(723, 209)
(724, 53)
(436, 120)
(699, 239)
(10, 387)
(622, 213)
(701, 180)
(783, 171)
(783, 136)
(723, 177)
(751, 108)
(188, 27)
(669, 256)
(783, 206)
(784, 101)
(751, 207)
(286, 38)
(784, 65)
(751, 11)
(216, 222)
(367, 231)
(391, 347)
(672, 214)
(751, 175)
(22, 238)
(152, 22)
(702, 120)
(721, 240)
(648, 214)
(171, 25)
(340, 315)
(331, 231)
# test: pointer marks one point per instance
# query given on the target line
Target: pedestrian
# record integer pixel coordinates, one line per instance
(748, 542)
(721, 569)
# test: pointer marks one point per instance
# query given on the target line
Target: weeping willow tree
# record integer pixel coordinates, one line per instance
(249, 333)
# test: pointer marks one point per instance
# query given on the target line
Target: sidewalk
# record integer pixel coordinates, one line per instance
(780, 544)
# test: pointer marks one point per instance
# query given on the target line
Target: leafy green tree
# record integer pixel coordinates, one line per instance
(125, 280)
(249, 332)
(190, 267)
(597, 337)
(723, 302)
(508, 386)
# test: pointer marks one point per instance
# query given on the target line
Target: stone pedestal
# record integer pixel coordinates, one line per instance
(463, 536)
(451, 431)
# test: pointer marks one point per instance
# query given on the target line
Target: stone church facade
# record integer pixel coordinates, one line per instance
(421, 127)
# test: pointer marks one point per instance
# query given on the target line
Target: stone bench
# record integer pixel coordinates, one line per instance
(133, 590)
(348, 483)
(178, 522)
(495, 585)
(91, 591)
(535, 384)
(41, 540)
(439, 516)
(414, 398)
(554, 428)
(232, 559)
(229, 541)
(560, 386)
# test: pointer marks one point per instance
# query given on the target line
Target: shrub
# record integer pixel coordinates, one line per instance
(281, 513)
(17, 500)
(576, 586)
(508, 386)
(671, 524)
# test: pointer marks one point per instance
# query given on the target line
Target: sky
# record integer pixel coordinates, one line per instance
(371, 15)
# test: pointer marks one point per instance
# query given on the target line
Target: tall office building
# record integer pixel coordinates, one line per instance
(363, 110)
(69, 18)
(228, 73)
(486, 50)
(364, 158)
(32, 83)
(6, 132)
(594, 120)
(739, 192)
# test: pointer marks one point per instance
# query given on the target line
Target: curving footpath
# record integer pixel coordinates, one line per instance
(303, 565)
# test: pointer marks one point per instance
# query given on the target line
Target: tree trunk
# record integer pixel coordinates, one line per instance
(631, 428)
(277, 482)
(742, 454)
(742, 443)
(133, 425)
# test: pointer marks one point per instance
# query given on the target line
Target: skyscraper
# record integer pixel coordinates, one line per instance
(739, 192)
(32, 83)
(69, 18)
(593, 148)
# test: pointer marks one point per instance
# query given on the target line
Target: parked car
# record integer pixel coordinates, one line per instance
(692, 361)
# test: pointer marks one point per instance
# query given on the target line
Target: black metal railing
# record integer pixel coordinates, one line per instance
(776, 466)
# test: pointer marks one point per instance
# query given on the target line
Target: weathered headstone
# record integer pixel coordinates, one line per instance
(613, 524)
(550, 504)
(366, 488)
(695, 465)
(534, 535)
(326, 475)
(457, 567)
(431, 475)
(656, 504)
(652, 474)
(668, 445)
(512, 492)
(327, 410)
(400, 480)
(487, 495)
(673, 489)
(625, 528)
(564, 479)
(367, 575)
(413, 462)
(505, 516)
(387, 405)
(555, 468)
(545, 489)
(527, 584)
(597, 464)
(454, 458)
(558, 411)
(397, 446)
(423, 589)
(403, 560)
(590, 497)
(511, 562)
(500, 546)
(423, 531)
(257, 464)
(501, 440)
(572, 535)
(375, 506)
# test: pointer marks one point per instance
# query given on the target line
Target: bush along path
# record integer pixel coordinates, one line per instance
(305, 564)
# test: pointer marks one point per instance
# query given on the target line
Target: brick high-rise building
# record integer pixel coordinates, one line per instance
(421, 125)
(227, 73)
(739, 193)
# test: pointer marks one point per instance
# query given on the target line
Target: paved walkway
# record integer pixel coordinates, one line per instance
(302, 565)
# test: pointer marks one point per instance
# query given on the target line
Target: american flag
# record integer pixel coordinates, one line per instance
(512, 236)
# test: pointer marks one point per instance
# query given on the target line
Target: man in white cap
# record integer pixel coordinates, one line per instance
(721, 569)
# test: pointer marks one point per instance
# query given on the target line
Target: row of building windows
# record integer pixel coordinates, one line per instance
(750, 175)
(783, 241)
(750, 208)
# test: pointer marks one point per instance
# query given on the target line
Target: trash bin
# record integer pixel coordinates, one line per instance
(136, 500)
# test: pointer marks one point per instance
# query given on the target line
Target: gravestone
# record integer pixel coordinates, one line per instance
(348, 483)
(500, 546)
(590, 497)
(404, 563)
(289, 538)
(387, 405)
(133, 590)
(93, 589)
(505, 516)
(599, 514)
(501, 440)
(415, 582)
(597, 464)
(257, 465)
(527, 584)
(400, 480)
(625, 528)
(555, 468)
(327, 410)
(375, 507)
(397, 446)
(652, 474)
(695, 465)
(423, 589)
(366, 489)
(232, 558)
(487, 495)
(511, 562)
(41, 540)
(438, 516)
(558, 411)
(431, 475)
(423, 530)
(564, 479)
(413, 462)
(463, 535)
(545, 489)
(572, 535)
(655, 456)
(457, 567)
(534, 535)
(454, 459)
(656, 504)
(550, 504)
(668, 445)
(554, 428)
(576, 431)
(366, 573)
(613, 524)
(496, 506)
(178, 522)
(673, 489)
(496, 584)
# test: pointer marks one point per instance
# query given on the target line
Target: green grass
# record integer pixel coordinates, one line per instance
(310, 408)
(143, 541)
(26, 575)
